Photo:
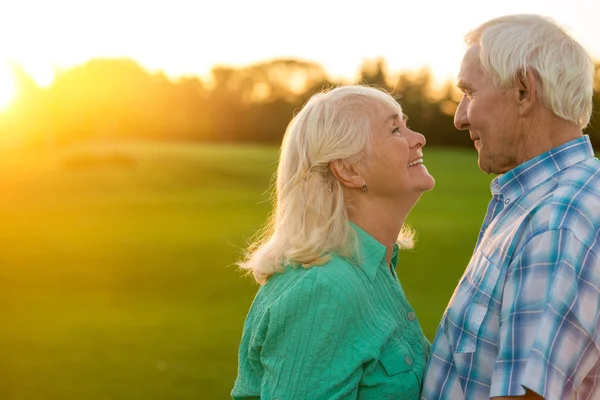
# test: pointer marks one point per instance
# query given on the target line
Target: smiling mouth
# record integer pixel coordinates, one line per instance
(416, 162)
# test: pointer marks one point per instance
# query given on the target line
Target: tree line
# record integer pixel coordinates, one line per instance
(117, 99)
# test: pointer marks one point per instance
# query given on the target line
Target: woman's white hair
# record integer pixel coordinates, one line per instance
(310, 217)
(564, 71)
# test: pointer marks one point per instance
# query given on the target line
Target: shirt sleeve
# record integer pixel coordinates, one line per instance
(428, 346)
(308, 352)
(549, 318)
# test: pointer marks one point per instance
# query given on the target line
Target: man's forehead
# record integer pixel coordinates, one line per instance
(470, 67)
(472, 52)
(471, 58)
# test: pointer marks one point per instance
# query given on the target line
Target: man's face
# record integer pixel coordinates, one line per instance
(489, 114)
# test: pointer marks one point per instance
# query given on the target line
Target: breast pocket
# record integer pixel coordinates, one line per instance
(395, 374)
(396, 359)
(470, 303)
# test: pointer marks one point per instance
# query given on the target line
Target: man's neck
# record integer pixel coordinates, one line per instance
(547, 133)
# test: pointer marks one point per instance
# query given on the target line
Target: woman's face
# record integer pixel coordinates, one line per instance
(395, 166)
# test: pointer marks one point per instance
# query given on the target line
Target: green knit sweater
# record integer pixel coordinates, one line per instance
(343, 330)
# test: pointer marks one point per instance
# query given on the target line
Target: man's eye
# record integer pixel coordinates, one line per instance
(396, 129)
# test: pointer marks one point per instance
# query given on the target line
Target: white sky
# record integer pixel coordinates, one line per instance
(190, 36)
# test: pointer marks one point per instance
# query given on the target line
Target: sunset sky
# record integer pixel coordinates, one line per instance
(188, 37)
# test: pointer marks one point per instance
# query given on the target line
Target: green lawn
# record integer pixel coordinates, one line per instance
(117, 278)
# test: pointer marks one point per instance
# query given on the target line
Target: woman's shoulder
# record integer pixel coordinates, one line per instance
(335, 268)
(338, 277)
(327, 291)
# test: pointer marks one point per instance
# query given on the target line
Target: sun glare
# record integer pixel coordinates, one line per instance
(41, 73)
(7, 86)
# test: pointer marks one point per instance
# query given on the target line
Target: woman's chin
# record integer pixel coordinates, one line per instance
(425, 183)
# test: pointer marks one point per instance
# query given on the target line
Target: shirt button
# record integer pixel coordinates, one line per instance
(407, 360)
(506, 201)
(411, 316)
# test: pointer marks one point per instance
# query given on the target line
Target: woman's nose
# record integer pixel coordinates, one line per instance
(417, 139)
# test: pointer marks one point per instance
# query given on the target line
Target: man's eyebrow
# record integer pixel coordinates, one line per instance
(462, 84)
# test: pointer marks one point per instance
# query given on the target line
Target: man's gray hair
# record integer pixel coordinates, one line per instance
(564, 71)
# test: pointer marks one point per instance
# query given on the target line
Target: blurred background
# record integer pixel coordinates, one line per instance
(137, 146)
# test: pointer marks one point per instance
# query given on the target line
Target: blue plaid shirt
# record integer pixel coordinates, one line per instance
(526, 312)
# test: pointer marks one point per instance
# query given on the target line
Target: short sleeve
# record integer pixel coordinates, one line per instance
(550, 313)
(427, 346)
(308, 352)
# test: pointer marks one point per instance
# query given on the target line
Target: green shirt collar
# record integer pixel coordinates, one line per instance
(371, 253)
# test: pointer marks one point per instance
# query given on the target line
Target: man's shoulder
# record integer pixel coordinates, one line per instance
(573, 203)
(584, 174)
(578, 192)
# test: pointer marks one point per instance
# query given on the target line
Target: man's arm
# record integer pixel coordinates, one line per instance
(529, 395)
(550, 310)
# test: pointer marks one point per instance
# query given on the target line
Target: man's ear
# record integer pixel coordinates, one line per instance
(346, 174)
(526, 91)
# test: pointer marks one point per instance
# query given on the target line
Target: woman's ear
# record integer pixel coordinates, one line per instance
(346, 174)
(526, 91)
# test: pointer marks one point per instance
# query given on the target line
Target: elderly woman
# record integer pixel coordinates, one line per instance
(330, 319)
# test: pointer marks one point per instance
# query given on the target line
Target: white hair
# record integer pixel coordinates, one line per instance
(310, 217)
(511, 44)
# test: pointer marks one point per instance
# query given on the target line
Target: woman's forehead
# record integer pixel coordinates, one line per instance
(391, 112)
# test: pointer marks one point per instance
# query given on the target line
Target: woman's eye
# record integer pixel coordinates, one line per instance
(396, 129)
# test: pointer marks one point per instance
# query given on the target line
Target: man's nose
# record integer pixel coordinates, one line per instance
(461, 121)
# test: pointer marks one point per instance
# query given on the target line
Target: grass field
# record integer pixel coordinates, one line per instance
(117, 277)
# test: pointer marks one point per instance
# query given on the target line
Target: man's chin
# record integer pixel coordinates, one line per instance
(485, 167)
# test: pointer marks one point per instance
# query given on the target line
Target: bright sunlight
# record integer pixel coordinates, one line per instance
(41, 72)
(7, 86)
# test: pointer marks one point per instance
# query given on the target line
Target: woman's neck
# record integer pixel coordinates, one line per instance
(382, 222)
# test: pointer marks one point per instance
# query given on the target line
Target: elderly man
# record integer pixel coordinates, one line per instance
(523, 322)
